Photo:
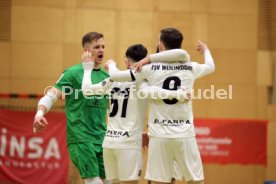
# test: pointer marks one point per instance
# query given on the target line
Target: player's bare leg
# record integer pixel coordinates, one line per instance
(173, 181)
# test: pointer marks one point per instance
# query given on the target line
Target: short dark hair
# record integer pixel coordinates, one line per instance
(136, 52)
(171, 38)
(91, 36)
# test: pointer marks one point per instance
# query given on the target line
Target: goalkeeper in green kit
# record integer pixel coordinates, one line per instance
(85, 116)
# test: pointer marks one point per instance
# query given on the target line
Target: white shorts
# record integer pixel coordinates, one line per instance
(162, 154)
(122, 164)
(177, 174)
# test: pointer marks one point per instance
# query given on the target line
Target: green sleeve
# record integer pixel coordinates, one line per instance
(65, 82)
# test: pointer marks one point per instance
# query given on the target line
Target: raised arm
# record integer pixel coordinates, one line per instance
(208, 67)
(172, 55)
(118, 75)
(93, 89)
(158, 93)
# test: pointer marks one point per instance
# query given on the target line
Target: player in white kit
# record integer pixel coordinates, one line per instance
(171, 127)
(123, 139)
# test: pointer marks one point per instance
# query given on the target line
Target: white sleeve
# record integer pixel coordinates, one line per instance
(172, 55)
(208, 67)
(158, 93)
(93, 89)
(118, 75)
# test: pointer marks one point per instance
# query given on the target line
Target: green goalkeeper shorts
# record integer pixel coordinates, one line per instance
(88, 158)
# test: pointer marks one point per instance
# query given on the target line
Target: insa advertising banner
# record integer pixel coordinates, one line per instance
(29, 158)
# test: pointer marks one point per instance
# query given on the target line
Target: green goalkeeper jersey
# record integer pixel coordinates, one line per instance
(85, 115)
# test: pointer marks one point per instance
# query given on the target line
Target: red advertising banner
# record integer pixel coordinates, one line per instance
(227, 141)
(32, 158)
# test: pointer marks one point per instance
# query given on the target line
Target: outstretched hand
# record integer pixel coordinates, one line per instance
(201, 47)
(87, 60)
(87, 57)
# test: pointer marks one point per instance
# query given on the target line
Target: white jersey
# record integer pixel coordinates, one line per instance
(170, 118)
(126, 117)
(127, 110)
